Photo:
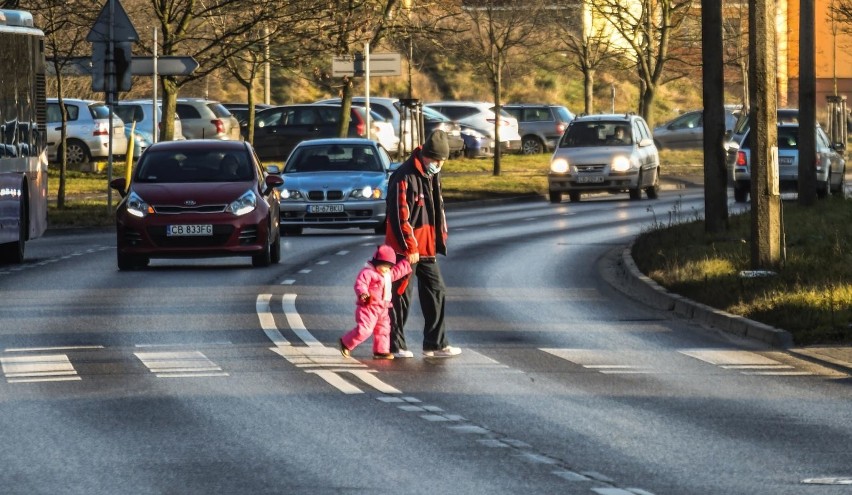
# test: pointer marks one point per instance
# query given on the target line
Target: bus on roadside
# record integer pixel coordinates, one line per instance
(23, 117)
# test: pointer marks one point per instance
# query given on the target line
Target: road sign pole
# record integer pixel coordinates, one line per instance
(367, 85)
(156, 124)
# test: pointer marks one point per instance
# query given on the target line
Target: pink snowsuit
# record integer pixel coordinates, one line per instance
(372, 316)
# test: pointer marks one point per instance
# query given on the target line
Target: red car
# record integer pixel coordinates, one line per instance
(198, 198)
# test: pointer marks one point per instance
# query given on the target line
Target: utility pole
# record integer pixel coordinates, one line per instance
(715, 179)
(807, 105)
(763, 137)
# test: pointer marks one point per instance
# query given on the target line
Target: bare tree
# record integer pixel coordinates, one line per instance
(342, 28)
(646, 29)
(276, 40)
(187, 29)
(587, 45)
(491, 33)
(65, 24)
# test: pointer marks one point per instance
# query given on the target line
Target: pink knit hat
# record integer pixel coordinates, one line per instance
(384, 254)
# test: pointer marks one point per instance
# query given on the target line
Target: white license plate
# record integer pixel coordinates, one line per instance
(188, 230)
(785, 160)
(590, 179)
(335, 208)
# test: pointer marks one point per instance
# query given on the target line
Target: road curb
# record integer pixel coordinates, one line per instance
(639, 286)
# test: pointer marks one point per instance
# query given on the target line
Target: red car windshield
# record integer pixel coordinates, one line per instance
(186, 166)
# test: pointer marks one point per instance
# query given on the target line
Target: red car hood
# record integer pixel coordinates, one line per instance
(199, 192)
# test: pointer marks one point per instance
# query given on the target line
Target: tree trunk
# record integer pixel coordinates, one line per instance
(589, 91)
(169, 103)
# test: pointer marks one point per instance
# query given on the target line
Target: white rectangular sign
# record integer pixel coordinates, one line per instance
(381, 64)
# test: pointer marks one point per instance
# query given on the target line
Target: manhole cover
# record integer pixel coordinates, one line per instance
(828, 481)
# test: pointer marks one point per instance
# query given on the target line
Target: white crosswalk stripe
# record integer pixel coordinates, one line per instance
(749, 363)
(180, 364)
(38, 368)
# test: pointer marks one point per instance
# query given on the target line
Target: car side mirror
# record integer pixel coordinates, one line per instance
(119, 185)
(393, 166)
(273, 181)
(839, 147)
(273, 169)
(646, 142)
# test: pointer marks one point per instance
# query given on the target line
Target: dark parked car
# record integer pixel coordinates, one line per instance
(540, 125)
(241, 110)
(278, 130)
(198, 198)
(335, 183)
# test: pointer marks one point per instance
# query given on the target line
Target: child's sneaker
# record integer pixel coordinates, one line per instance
(403, 353)
(382, 355)
(343, 349)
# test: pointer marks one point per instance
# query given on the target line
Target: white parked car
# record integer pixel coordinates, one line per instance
(87, 131)
(481, 116)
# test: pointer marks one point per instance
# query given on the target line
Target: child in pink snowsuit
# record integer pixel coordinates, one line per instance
(373, 288)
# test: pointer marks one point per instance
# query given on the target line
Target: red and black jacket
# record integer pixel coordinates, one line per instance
(415, 211)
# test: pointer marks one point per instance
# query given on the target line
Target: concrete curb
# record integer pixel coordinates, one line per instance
(638, 286)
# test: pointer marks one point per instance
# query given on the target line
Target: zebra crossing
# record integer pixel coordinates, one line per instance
(350, 375)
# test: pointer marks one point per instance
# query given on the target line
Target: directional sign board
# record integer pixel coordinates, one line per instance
(122, 28)
(166, 66)
(381, 64)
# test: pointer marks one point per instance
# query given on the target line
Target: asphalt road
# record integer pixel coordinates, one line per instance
(209, 376)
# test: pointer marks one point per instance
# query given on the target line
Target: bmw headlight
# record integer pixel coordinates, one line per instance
(291, 195)
(559, 166)
(621, 164)
(367, 192)
(244, 204)
(136, 206)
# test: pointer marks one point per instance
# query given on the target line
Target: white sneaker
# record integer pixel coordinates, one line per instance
(403, 353)
(448, 351)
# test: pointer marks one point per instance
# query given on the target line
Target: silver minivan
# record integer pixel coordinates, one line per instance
(87, 131)
(142, 113)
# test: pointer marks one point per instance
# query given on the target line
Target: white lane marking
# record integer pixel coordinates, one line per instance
(180, 364)
(322, 262)
(288, 304)
(337, 381)
(316, 357)
(342, 252)
(267, 322)
(748, 363)
(601, 361)
(289, 281)
(569, 475)
(305, 270)
(38, 368)
(370, 379)
(57, 348)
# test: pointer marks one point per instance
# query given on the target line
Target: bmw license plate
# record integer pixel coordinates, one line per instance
(333, 208)
(785, 160)
(188, 230)
(590, 179)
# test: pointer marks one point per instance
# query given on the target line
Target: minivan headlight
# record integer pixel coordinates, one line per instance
(559, 166)
(621, 164)
(244, 204)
